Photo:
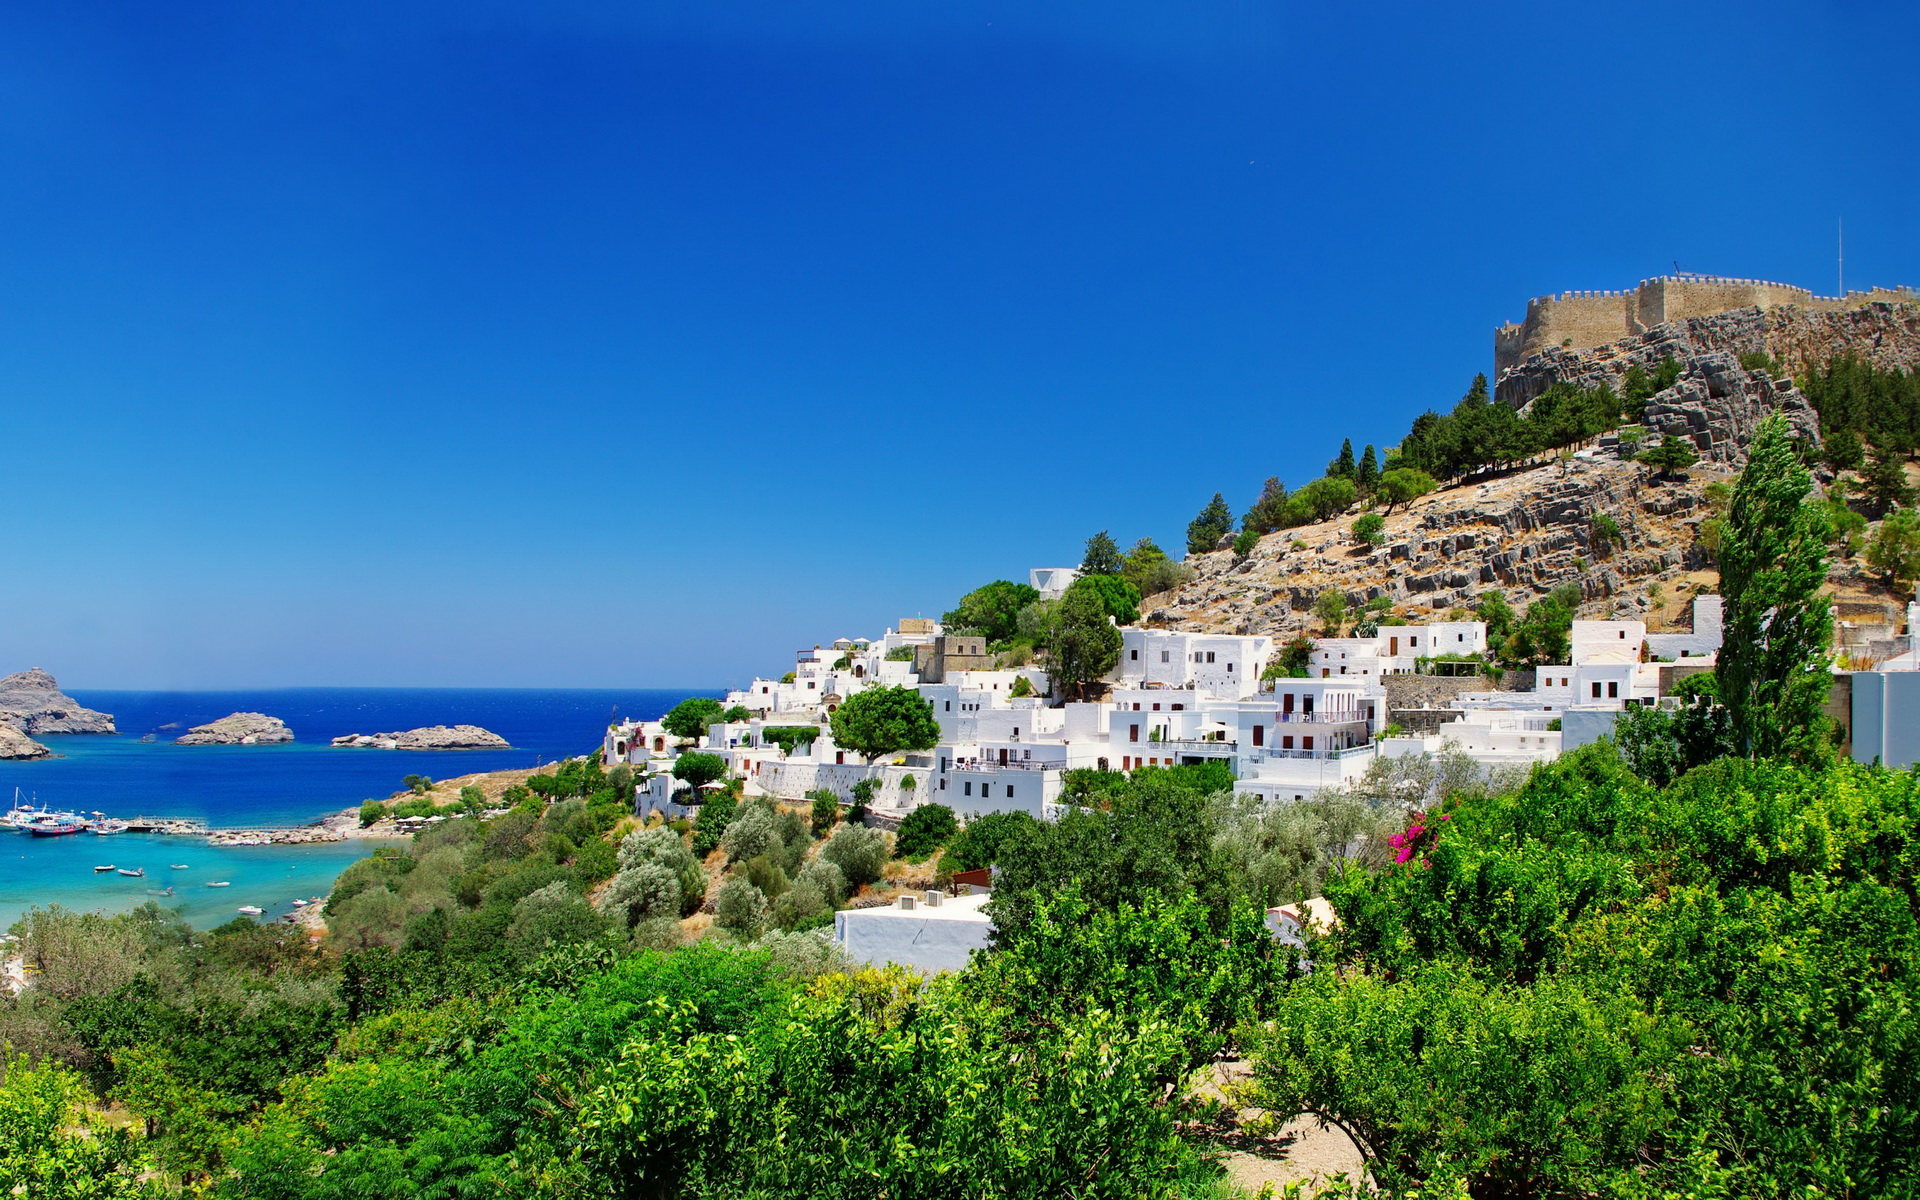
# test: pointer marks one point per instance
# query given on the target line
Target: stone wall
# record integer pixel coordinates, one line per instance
(1584, 320)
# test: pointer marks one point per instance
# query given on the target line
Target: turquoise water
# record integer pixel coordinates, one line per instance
(40, 871)
(243, 786)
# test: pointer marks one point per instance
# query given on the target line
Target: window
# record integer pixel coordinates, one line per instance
(1156, 708)
(943, 785)
(1136, 706)
(1259, 735)
(1209, 656)
(1306, 705)
(1413, 641)
(839, 757)
(969, 788)
(1613, 690)
(1133, 733)
(1623, 635)
(1286, 743)
(1126, 762)
(1306, 743)
(1596, 690)
(1179, 708)
(1133, 655)
(1165, 656)
(949, 706)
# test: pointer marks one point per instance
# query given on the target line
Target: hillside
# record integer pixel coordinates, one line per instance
(1525, 530)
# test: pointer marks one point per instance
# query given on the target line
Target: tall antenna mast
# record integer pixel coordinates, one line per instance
(1840, 241)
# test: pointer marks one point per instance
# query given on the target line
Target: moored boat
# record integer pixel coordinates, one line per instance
(220, 883)
(136, 873)
(108, 825)
(251, 910)
(55, 825)
(104, 870)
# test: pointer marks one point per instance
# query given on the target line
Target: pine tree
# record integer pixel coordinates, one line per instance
(1103, 556)
(1214, 522)
(1886, 480)
(1264, 516)
(1369, 472)
(1772, 672)
(1343, 466)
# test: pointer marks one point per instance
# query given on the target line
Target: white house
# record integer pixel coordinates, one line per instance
(1222, 666)
(930, 932)
(1051, 582)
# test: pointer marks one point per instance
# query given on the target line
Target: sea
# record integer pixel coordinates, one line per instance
(128, 775)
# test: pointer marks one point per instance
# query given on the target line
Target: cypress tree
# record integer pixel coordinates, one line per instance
(1369, 471)
(1343, 466)
(1214, 522)
(1772, 673)
(1103, 555)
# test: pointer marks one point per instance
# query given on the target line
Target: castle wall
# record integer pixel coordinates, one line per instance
(1584, 320)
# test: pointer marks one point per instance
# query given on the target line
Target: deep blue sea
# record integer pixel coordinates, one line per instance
(229, 786)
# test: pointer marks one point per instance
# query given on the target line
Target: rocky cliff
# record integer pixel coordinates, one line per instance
(431, 737)
(1717, 402)
(32, 702)
(238, 729)
(14, 744)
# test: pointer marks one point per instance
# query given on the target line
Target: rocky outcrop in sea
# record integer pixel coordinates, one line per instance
(431, 737)
(15, 745)
(32, 703)
(238, 729)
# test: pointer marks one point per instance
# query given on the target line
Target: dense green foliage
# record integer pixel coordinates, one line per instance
(1862, 405)
(885, 720)
(1086, 643)
(1102, 556)
(992, 611)
(925, 829)
(1590, 987)
(689, 718)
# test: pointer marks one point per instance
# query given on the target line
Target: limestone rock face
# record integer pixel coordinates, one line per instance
(14, 744)
(238, 729)
(31, 702)
(432, 737)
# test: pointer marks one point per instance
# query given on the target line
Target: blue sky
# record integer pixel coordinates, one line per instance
(574, 345)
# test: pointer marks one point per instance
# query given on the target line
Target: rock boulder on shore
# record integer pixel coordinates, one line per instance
(31, 702)
(14, 744)
(432, 737)
(238, 729)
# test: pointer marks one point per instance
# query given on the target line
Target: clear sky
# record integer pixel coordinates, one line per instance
(642, 344)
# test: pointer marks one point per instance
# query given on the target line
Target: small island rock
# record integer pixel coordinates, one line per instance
(432, 737)
(14, 744)
(31, 702)
(238, 729)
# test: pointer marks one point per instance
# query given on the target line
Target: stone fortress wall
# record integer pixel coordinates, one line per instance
(1583, 320)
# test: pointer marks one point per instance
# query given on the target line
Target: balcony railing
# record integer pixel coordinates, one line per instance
(1360, 751)
(981, 764)
(1223, 747)
(1336, 717)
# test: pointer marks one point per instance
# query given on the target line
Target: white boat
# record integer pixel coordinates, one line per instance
(220, 883)
(251, 910)
(105, 869)
(107, 825)
(299, 903)
(136, 873)
(178, 866)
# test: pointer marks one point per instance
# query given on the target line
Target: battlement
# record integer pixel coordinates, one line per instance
(1581, 320)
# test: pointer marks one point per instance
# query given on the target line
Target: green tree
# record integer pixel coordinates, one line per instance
(1269, 511)
(696, 770)
(1895, 548)
(980, 843)
(992, 611)
(1672, 454)
(859, 852)
(737, 713)
(1342, 467)
(1367, 475)
(1102, 556)
(924, 830)
(1150, 571)
(1370, 529)
(1214, 522)
(1086, 644)
(49, 1144)
(710, 824)
(1331, 607)
(689, 719)
(885, 720)
(1403, 485)
(1773, 662)
(1885, 481)
(1115, 596)
(371, 811)
(1245, 543)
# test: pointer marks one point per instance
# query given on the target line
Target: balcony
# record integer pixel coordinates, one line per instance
(1192, 745)
(1361, 751)
(1337, 717)
(981, 764)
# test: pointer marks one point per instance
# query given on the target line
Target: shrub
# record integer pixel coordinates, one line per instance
(740, 907)
(711, 825)
(1370, 529)
(826, 811)
(370, 812)
(1245, 543)
(823, 876)
(925, 830)
(859, 852)
(750, 833)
